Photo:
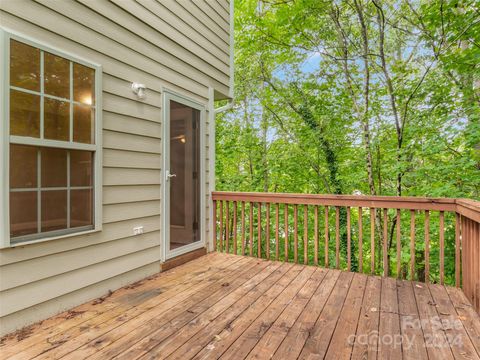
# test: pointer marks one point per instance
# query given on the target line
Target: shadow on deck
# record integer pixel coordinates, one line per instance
(229, 306)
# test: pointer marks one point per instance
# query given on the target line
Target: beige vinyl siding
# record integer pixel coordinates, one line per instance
(210, 33)
(195, 11)
(164, 45)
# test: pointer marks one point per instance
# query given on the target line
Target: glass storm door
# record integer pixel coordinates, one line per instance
(182, 178)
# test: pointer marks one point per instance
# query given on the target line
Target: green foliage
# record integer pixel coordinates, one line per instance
(302, 106)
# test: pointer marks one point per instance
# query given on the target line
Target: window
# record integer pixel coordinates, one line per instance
(52, 142)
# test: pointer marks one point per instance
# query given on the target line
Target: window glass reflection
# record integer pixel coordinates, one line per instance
(54, 167)
(56, 119)
(24, 66)
(54, 210)
(23, 166)
(83, 84)
(83, 124)
(81, 208)
(57, 76)
(81, 169)
(24, 114)
(23, 213)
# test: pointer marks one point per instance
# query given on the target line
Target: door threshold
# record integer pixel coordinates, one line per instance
(182, 259)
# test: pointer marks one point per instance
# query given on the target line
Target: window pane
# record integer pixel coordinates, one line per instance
(24, 66)
(24, 114)
(23, 213)
(54, 167)
(81, 209)
(57, 120)
(81, 168)
(83, 84)
(54, 210)
(57, 76)
(23, 166)
(83, 124)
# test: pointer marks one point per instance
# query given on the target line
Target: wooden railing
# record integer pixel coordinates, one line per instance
(424, 239)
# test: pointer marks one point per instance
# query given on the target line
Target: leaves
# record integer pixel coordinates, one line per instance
(297, 122)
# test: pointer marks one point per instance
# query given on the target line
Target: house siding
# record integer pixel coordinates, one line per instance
(181, 46)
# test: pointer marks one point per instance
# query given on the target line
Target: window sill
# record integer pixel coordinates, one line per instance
(52, 238)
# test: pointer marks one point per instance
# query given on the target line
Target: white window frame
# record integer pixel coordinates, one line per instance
(166, 253)
(5, 140)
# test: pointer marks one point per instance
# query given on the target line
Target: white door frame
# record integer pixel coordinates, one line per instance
(165, 215)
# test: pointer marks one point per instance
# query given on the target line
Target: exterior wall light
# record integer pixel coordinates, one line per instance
(139, 90)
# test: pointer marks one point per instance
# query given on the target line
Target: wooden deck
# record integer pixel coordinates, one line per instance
(234, 307)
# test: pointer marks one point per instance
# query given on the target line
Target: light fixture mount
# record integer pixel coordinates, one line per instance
(139, 90)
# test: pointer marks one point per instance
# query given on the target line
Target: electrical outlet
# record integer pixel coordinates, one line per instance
(138, 230)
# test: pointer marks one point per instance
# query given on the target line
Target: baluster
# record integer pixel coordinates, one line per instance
(412, 244)
(234, 227)
(349, 241)
(385, 242)
(326, 237)
(360, 240)
(427, 246)
(267, 231)
(315, 257)
(259, 228)
(243, 227)
(442, 247)
(221, 226)
(337, 237)
(465, 255)
(227, 224)
(372, 240)
(286, 232)
(251, 229)
(215, 225)
(277, 218)
(295, 233)
(457, 249)
(305, 234)
(399, 243)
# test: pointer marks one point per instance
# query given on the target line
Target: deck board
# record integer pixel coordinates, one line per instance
(234, 307)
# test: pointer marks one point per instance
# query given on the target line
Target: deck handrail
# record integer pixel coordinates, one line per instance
(451, 228)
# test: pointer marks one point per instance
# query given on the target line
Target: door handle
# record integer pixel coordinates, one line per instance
(169, 175)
